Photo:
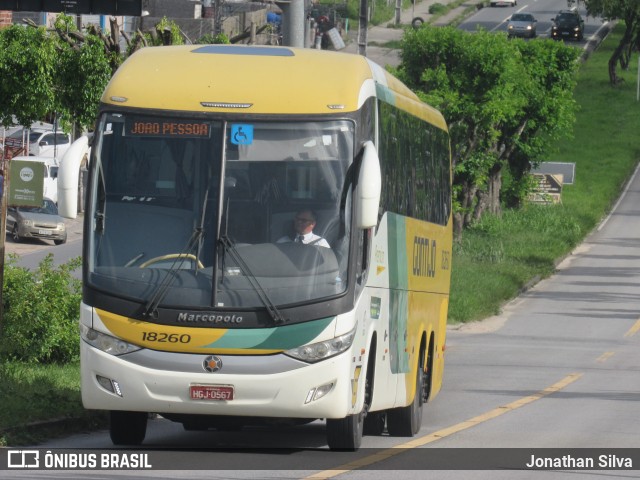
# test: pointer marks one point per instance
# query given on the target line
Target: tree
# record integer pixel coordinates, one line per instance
(165, 32)
(85, 65)
(27, 65)
(627, 11)
(549, 112)
(496, 97)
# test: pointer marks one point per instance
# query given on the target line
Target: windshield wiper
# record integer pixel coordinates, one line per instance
(194, 243)
(151, 308)
(273, 311)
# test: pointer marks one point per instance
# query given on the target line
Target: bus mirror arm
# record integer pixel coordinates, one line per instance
(368, 188)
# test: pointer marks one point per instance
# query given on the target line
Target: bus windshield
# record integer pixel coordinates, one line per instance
(193, 213)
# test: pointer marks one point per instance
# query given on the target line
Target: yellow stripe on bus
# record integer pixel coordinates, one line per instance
(171, 338)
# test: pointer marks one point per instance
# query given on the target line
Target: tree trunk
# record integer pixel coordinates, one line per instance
(494, 185)
(469, 193)
(481, 205)
(613, 76)
(457, 226)
(617, 54)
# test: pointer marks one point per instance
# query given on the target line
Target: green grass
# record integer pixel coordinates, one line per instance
(492, 263)
(499, 257)
(34, 393)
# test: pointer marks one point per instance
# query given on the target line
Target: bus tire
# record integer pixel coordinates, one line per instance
(374, 423)
(406, 421)
(345, 433)
(127, 428)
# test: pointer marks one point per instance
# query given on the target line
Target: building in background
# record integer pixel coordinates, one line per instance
(195, 18)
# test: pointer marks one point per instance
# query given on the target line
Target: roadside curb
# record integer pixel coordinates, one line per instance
(596, 39)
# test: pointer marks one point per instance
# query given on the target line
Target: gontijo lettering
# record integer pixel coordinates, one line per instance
(424, 257)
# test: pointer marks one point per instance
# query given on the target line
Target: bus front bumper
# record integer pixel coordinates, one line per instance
(262, 386)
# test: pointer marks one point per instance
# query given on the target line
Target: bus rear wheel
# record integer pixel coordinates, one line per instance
(406, 421)
(374, 423)
(345, 433)
(127, 428)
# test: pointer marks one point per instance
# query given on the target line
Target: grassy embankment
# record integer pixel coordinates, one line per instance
(491, 264)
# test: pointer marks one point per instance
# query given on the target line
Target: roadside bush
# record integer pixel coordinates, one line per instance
(210, 39)
(437, 8)
(41, 312)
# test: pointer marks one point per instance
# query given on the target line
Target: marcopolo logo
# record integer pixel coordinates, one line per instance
(26, 174)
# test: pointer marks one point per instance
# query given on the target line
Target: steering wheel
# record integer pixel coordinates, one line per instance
(171, 256)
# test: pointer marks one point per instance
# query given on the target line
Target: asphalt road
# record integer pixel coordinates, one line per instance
(31, 251)
(495, 19)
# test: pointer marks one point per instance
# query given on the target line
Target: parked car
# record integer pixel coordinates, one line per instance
(36, 222)
(44, 142)
(567, 24)
(504, 3)
(522, 25)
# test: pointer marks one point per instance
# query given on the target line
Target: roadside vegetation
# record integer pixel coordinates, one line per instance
(500, 255)
(497, 256)
(39, 350)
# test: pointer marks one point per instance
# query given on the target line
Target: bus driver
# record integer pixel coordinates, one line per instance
(304, 222)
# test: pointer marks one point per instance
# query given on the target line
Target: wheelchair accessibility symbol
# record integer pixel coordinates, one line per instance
(242, 134)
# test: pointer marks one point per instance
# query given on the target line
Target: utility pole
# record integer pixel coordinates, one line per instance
(398, 12)
(293, 24)
(4, 184)
(362, 28)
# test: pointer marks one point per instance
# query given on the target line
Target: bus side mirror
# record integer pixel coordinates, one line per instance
(369, 187)
(68, 174)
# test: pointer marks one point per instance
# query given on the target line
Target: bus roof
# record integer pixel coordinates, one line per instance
(256, 80)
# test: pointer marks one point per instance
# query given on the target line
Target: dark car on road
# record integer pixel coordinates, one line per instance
(567, 24)
(36, 222)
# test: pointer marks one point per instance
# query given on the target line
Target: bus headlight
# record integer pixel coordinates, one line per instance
(106, 343)
(322, 350)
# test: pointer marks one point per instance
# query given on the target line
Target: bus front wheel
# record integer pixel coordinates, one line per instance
(406, 421)
(127, 428)
(345, 433)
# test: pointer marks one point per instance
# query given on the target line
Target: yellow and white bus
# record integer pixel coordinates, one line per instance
(193, 308)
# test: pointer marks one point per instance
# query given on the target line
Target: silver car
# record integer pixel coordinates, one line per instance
(36, 222)
(522, 25)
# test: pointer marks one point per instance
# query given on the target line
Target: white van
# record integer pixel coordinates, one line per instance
(50, 174)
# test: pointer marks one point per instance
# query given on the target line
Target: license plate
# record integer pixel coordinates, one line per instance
(44, 232)
(211, 392)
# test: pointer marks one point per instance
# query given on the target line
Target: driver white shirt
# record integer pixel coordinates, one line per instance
(309, 238)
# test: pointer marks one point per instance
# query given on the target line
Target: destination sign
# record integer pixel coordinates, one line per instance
(167, 128)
